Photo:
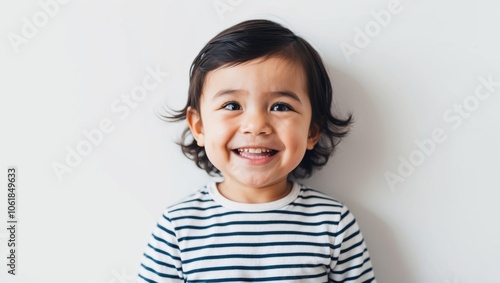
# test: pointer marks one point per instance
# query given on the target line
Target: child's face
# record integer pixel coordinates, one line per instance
(254, 121)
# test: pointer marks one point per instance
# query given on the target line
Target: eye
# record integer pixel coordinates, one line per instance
(281, 107)
(231, 106)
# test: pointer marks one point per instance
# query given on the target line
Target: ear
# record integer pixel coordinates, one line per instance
(314, 134)
(193, 119)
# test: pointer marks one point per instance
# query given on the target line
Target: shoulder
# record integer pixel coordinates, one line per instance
(200, 198)
(313, 197)
(313, 200)
(198, 203)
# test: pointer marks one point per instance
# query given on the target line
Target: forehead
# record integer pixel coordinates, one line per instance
(258, 75)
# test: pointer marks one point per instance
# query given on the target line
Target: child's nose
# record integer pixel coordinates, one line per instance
(255, 123)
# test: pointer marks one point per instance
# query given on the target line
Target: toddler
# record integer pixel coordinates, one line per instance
(258, 114)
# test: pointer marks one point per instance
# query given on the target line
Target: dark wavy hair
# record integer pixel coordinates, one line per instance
(255, 39)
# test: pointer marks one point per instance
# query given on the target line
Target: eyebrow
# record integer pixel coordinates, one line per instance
(285, 93)
(224, 92)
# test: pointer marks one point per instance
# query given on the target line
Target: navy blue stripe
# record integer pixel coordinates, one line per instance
(307, 189)
(263, 279)
(161, 262)
(160, 274)
(258, 234)
(351, 267)
(351, 236)
(146, 279)
(269, 244)
(226, 256)
(315, 205)
(199, 200)
(165, 242)
(165, 253)
(347, 212)
(196, 208)
(352, 247)
(260, 212)
(318, 193)
(269, 222)
(352, 257)
(188, 198)
(317, 197)
(355, 277)
(265, 267)
(165, 229)
(347, 226)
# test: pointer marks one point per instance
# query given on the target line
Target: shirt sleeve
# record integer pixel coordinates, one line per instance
(161, 261)
(350, 259)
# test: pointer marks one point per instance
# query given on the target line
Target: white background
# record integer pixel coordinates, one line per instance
(439, 225)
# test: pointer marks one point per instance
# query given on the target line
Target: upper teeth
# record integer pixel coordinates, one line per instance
(254, 150)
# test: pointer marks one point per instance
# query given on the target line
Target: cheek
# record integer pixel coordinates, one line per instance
(295, 137)
(217, 133)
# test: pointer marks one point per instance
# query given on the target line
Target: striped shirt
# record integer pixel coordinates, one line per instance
(303, 237)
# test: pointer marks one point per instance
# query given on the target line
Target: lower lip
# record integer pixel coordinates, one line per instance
(257, 160)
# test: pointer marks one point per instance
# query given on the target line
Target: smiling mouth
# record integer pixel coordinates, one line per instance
(255, 153)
